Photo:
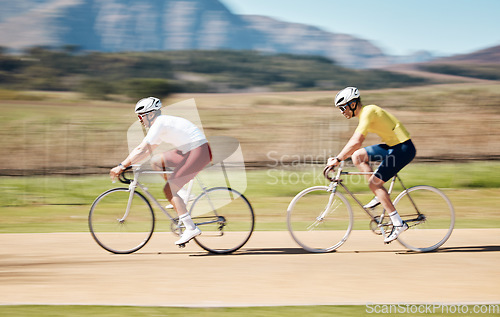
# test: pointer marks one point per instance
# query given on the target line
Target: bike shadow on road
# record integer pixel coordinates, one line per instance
(462, 249)
(289, 251)
(260, 251)
(300, 251)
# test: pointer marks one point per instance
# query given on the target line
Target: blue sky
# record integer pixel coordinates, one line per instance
(398, 27)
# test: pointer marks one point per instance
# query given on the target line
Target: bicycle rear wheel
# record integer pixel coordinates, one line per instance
(319, 220)
(225, 218)
(432, 225)
(115, 230)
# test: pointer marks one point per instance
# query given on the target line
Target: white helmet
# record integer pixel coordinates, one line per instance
(346, 95)
(147, 105)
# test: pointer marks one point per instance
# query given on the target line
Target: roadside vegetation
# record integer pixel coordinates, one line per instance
(480, 71)
(61, 203)
(61, 144)
(318, 311)
(104, 75)
(63, 133)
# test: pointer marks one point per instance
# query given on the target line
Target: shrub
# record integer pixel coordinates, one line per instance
(96, 89)
(141, 87)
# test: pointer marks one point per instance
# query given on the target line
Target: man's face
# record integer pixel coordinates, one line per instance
(147, 118)
(345, 109)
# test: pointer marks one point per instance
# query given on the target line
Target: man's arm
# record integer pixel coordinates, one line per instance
(138, 154)
(352, 145)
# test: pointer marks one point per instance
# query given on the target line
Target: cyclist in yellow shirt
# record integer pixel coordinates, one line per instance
(396, 152)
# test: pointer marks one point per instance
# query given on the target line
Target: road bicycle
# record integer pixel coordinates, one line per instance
(320, 218)
(122, 220)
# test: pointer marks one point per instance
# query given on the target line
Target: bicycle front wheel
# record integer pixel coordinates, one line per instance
(117, 230)
(225, 218)
(429, 215)
(319, 220)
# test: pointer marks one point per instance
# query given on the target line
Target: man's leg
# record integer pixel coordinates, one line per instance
(191, 164)
(174, 198)
(170, 159)
(191, 229)
(377, 187)
(397, 157)
(194, 161)
(362, 160)
(398, 226)
(174, 159)
(161, 161)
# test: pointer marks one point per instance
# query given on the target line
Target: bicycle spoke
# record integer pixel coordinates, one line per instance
(324, 231)
(433, 223)
(126, 233)
(328, 211)
(225, 218)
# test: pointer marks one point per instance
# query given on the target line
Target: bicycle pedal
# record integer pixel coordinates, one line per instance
(181, 246)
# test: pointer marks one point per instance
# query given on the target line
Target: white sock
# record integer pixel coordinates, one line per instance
(187, 221)
(396, 219)
(183, 194)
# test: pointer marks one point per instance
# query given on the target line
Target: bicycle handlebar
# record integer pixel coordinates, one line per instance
(326, 172)
(124, 179)
(136, 169)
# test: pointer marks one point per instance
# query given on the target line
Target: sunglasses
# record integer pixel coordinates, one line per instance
(343, 107)
(144, 115)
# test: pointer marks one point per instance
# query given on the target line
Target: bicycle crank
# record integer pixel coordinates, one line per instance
(176, 228)
(375, 226)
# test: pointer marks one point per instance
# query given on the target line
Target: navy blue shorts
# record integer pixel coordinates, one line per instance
(392, 158)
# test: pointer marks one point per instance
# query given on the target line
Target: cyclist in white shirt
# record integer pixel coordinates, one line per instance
(191, 154)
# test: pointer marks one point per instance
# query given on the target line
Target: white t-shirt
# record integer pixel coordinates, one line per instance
(181, 133)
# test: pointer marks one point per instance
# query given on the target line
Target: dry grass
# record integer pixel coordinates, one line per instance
(61, 132)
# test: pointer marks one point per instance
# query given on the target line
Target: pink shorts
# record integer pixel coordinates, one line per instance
(185, 165)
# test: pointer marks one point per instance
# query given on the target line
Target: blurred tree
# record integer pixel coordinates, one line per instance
(71, 48)
(166, 72)
(96, 89)
(143, 87)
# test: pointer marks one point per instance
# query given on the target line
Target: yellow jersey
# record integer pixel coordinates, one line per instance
(374, 119)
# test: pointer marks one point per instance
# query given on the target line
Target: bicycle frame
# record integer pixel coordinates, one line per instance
(134, 184)
(320, 218)
(335, 182)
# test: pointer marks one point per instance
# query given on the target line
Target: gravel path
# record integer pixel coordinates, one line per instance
(70, 268)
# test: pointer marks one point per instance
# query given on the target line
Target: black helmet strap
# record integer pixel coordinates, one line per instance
(355, 107)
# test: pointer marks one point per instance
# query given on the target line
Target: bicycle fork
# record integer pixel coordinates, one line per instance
(131, 189)
(328, 208)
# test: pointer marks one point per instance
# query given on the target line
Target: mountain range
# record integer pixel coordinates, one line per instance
(490, 55)
(152, 25)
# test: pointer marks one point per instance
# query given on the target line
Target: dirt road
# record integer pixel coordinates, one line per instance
(69, 268)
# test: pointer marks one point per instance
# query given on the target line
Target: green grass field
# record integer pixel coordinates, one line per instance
(61, 203)
(340, 310)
